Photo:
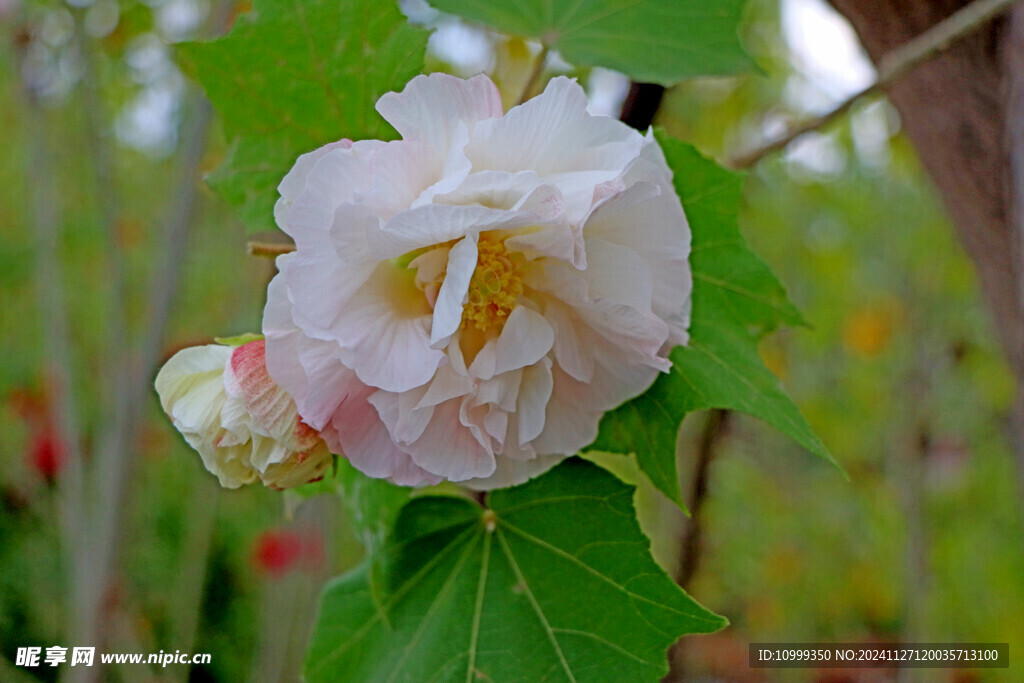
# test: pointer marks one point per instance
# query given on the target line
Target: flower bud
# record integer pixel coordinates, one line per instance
(243, 425)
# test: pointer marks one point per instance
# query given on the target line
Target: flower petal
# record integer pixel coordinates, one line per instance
(512, 472)
(570, 424)
(401, 414)
(524, 340)
(447, 384)
(246, 378)
(307, 368)
(554, 136)
(369, 447)
(434, 224)
(191, 387)
(572, 356)
(448, 449)
(534, 394)
(448, 308)
(293, 184)
(431, 106)
(320, 183)
(648, 218)
(383, 332)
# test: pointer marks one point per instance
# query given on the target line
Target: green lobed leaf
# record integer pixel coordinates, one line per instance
(736, 301)
(294, 75)
(372, 504)
(661, 41)
(554, 582)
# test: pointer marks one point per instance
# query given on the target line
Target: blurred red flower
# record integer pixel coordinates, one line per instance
(279, 551)
(47, 454)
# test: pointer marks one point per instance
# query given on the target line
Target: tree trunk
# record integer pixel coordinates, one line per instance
(953, 109)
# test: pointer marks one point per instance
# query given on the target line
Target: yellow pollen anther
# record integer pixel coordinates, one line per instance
(495, 287)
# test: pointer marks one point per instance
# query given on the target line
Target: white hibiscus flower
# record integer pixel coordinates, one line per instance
(467, 302)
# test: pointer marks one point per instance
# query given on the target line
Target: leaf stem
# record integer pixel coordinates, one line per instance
(535, 74)
(891, 68)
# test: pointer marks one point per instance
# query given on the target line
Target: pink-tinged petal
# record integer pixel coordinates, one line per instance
(334, 175)
(495, 424)
(447, 384)
(294, 182)
(618, 274)
(534, 394)
(320, 283)
(622, 198)
(570, 352)
(512, 472)
(384, 333)
(516, 141)
(246, 378)
(473, 416)
(608, 298)
(570, 424)
(648, 218)
(524, 340)
(616, 379)
(448, 448)
(448, 308)
(618, 382)
(367, 444)
(401, 414)
(511, 447)
(638, 338)
(308, 369)
(431, 106)
(500, 391)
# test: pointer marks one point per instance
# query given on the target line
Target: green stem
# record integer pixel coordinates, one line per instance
(538, 69)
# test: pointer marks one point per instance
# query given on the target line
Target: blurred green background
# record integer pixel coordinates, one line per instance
(898, 373)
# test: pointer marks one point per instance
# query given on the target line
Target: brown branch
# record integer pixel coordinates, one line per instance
(1014, 119)
(641, 104)
(690, 541)
(690, 545)
(891, 68)
(269, 249)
